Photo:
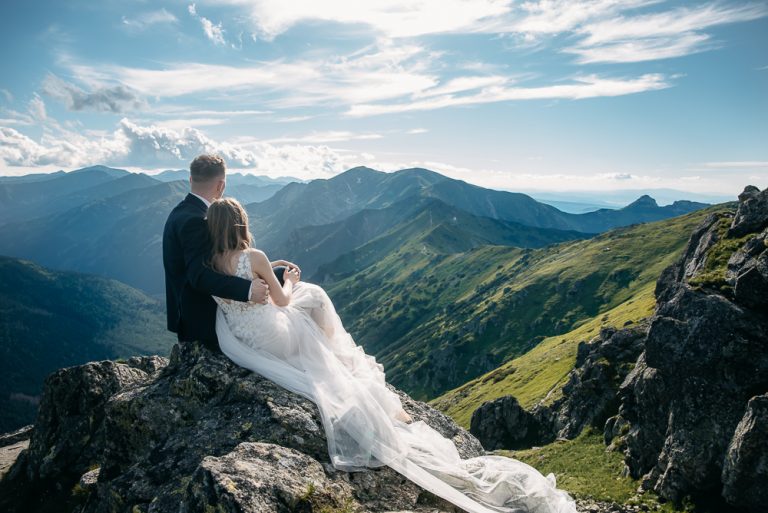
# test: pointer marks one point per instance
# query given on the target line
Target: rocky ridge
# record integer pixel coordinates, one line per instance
(196, 433)
(685, 394)
(693, 408)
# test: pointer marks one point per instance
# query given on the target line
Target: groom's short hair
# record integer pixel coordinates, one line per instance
(207, 167)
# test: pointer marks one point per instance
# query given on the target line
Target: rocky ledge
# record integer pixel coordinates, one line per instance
(195, 433)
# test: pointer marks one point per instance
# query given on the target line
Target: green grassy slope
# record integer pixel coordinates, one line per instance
(438, 320)
(585, 469)
(50, 320)
(539, 373)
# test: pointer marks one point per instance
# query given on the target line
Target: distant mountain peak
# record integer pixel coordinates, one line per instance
(111, 171)
(643, 201)
(359, 170)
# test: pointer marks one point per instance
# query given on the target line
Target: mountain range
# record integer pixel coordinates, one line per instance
(437, 319)
(108, 221)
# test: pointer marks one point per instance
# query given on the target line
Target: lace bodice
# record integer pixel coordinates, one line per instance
(243, 270)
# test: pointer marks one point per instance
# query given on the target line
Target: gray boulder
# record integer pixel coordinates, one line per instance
(198, 434)
(745, 473)
(752, 215)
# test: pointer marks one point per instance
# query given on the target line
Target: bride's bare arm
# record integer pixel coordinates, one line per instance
(260, 264)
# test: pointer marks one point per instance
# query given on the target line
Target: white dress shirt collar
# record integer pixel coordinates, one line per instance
(207, 203)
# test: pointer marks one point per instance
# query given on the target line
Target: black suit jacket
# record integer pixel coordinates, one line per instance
(189, 280)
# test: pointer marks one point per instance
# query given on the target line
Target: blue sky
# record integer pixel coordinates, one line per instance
(551, 94)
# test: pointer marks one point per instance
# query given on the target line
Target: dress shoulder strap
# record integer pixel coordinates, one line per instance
(244, 266)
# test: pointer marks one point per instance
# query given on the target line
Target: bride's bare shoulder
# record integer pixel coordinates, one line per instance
(256, 255)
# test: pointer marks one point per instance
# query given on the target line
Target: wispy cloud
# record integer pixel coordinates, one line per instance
(146, 20)
(546, 17)
(327, 137)
(389, 18)
(738, 164)
(662, 35)
(373, 74)
(106, 99)
(590, 86)
(214, 32)
(293, 119)
(417, 131)
(37, 109)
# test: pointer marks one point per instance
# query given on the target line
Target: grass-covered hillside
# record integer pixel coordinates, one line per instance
(50, 320)
(538, 374)
(438, 320)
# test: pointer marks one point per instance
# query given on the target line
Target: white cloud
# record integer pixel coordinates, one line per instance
(556, 16)
(7, 95)
(371, 75)
(154, 147)
(737, 164)
(37, 109)
(65, 149)
(390, 18)
(417, 131)
(660, 35)
(617, 176)
(327, 136)
(589, 86)
(293, 119)
(214, 32)
(146, 20)
(646, 49)
(105, 99)
(611, 30)
(462, 84)
(680, 21)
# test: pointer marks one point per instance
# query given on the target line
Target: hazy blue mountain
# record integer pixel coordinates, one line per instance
(371, 233)
(56, 319)
(321, 202)
(574, 207)
(232, 178)
(33, 177)
(622, 197)
(23, 200)
(245, 188)
(109, 222)
(119, 237)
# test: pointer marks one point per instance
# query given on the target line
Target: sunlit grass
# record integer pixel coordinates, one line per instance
(539, 373)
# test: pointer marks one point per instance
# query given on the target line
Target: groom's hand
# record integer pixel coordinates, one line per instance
(259, 291)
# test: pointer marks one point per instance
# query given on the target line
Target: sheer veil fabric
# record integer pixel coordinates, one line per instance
(304, 348)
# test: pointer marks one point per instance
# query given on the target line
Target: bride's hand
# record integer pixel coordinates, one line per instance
(293, 275)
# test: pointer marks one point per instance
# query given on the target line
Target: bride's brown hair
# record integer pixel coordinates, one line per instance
(228, 226)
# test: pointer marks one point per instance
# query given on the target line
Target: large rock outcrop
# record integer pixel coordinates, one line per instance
(589, 396)
(694, 405)
(686, 392)
(195, 433)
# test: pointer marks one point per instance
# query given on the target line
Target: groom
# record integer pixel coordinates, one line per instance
(189, 280)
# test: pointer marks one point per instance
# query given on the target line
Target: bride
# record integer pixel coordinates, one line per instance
(298, 341)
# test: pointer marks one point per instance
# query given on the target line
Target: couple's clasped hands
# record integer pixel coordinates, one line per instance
(260, 288)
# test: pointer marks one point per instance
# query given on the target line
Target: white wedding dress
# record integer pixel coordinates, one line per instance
(304, 348)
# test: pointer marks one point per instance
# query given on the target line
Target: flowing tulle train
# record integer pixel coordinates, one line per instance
(304, 348)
